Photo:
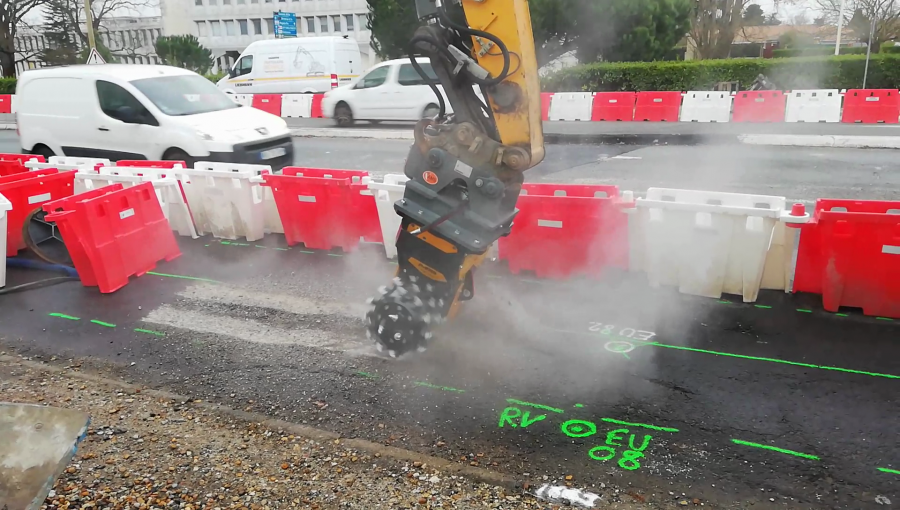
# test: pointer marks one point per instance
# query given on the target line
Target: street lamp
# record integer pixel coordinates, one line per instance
(837, 44)
(869, 50)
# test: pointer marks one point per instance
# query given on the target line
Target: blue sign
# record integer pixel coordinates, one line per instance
(285, 24)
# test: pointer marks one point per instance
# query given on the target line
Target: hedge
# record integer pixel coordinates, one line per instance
(841, 72)
(818, 51)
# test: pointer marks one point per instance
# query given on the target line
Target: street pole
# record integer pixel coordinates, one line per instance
(837, 44)
(869, 51)
(89, 16)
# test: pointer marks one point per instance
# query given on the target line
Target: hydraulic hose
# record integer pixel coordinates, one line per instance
(480, 33)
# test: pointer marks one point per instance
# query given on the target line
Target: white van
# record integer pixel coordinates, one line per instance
(120, 111)
(390, 91)
(296, 65)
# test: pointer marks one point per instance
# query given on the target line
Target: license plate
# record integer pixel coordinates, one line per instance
(273, 153)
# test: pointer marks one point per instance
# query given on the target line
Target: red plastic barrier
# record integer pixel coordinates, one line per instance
(5, 103)
(759, 106)
(850, 254)
(584, 232)
(546, 100)
(324, 209)
(269, 103)
(22, 157)
(657, 106)
(316, 111)
(113, 233)
(613, 106)
(871, 106)
(11, 167)
(27, 191)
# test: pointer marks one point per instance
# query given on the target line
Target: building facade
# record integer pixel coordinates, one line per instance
(131, 39)
(226, 27)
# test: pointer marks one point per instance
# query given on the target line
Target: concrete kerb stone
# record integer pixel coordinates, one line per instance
(386, 452)
(837, 141)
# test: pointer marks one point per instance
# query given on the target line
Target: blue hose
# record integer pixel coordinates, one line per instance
(33, 264)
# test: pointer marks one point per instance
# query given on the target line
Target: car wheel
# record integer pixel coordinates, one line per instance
(343, 116)
(178, 155)
(43, 150)
(431, 111)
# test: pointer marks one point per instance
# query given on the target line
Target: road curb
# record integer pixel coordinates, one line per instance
(835, 141)
(385, 452)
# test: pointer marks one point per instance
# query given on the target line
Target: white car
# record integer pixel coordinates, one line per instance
(121, 111)
(390, 91)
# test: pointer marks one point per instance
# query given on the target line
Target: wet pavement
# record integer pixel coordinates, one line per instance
(616, 385)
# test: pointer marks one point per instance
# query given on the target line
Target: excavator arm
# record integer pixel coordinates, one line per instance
(465, 168)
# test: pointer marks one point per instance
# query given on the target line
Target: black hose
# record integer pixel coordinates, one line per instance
(480, 33)
(418, 68)
(36, 285)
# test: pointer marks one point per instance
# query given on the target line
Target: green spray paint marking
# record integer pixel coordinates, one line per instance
(181, 277)
(579, 405)
(883, 318)
(536, 406)
(775, 449)
(335, 255)
(307, 252)
(724, 302)
(366, 374)
(443, 388)
(281, 249)
(772, 360)
(891, 471)
(763, 306)
(641, 425)
(64, 316)
(104, 324)
(263, 247)
(842, 315)
(804, 310)
(150, 332)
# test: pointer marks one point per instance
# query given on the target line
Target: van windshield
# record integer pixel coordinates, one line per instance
(184, 95)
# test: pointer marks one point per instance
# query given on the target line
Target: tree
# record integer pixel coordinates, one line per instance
(184, 51)
(772, 20)
(858, 16)
(12, 13)
(715, 23)
(754, 16)
(392, 23)
(630, 30)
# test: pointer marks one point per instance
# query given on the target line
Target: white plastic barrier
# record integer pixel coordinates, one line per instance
(706, 243)
(296, 105)
(273, 223)
(243, 99)
(71, 161)
(571, 106)
(168, 190)
(387, 193)
(13, 106)
(225, 203)
(813, 106)
(5, 206)
(706, 106)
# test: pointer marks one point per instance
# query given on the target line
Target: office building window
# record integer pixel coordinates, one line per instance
(198, 2)
(349, 19)
(336, 20)
(230, 28)
(254, 1)
(270, 25)
(201, 29)
(241, 2)
(323, 24)
(245, 30)
(215, 28)
(311, 25)
(257, 27)
(226, 2)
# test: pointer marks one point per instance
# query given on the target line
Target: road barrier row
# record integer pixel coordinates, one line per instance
(703, 243)
(855, 106)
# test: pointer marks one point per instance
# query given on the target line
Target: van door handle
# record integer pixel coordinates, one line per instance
(103, 129)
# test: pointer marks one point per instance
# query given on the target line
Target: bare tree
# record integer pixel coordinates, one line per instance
(715, 24)
(12, 12)
(858, 16)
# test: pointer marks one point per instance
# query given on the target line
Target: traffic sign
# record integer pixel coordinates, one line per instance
(285, 24)
(95, 58)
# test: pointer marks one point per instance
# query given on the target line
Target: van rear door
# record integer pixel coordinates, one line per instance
(348, 61)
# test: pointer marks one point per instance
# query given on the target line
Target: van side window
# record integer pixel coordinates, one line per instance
(244, 66)
(409, 76)
(375, 78)
(113, 98)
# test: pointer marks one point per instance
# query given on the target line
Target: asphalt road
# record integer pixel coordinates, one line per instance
(772, 405)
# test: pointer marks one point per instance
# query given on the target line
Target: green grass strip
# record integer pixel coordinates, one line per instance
(443, 388)
(181, 277)
(150, 332)
(104, 324)
(64, 316)
(536, 406)
(641, 425)
(891, 471)
(775, 449)
(772, 360)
